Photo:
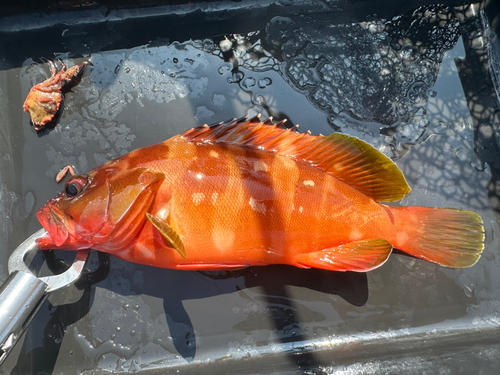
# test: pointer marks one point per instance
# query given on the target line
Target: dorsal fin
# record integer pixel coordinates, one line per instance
(349, 159)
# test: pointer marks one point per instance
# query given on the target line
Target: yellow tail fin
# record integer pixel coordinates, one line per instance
(449, 237)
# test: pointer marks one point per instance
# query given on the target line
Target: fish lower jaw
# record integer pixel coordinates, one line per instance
(44, 244)
(47, 243)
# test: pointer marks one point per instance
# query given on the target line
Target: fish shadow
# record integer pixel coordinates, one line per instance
(273, 282)
(283, 309)
(40, 349)
(351, 286)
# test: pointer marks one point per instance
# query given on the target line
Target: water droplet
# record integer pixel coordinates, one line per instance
(127, 70)
(259, 99)
(469, 292)
(118, 329)
(117, 69)
(175, 60)
(478, 165)
(461, 154)
(225, 45)
(224, 69)
(136, 307)
(113, 336)
(264, 82)
(126, 306)
(236, 78)
(132, 333)
(218, 99)
(249, 82)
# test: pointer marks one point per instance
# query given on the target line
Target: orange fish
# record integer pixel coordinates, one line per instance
(245, 193)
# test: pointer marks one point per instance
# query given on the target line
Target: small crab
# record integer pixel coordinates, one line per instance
(44, 99)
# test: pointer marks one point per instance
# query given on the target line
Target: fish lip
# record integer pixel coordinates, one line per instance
(52, 220)
(60, 231)
(45, 242)
(41, 215)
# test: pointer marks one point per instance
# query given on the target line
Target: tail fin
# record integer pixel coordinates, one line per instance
(449, 237)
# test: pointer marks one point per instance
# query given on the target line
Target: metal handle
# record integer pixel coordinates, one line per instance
(21, 296)
(56, 282)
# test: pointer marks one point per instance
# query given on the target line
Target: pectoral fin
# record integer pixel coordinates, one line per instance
(359, 256)
(168, 233)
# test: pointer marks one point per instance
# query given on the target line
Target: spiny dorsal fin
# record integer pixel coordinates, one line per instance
(349, 159)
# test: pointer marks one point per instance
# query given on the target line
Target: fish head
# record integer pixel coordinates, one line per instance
(103, 210)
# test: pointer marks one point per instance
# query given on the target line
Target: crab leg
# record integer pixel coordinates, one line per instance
(64, 171)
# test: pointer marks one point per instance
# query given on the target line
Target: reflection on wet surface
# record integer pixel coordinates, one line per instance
(416, 86)
(344, 68)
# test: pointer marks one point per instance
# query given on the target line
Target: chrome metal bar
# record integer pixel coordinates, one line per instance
(22, 294)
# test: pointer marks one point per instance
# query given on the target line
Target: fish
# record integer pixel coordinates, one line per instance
(247, 192)
(44, 99)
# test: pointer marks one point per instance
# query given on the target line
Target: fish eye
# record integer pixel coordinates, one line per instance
(75, 186)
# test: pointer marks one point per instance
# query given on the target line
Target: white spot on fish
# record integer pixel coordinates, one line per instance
(301, 209)
(289, 164)
(401, 239)
(213, 154)
(198, 198)
(259, 165)
(256, 206)
(215, 195)
(199, 176)
(223, 238)
(309, 183)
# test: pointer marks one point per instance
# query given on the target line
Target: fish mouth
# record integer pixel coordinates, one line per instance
(54, 221)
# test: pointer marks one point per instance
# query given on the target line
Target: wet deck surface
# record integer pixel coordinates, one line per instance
(417, 86)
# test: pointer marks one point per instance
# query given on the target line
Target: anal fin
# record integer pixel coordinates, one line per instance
(168, 233)
(358, 256)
